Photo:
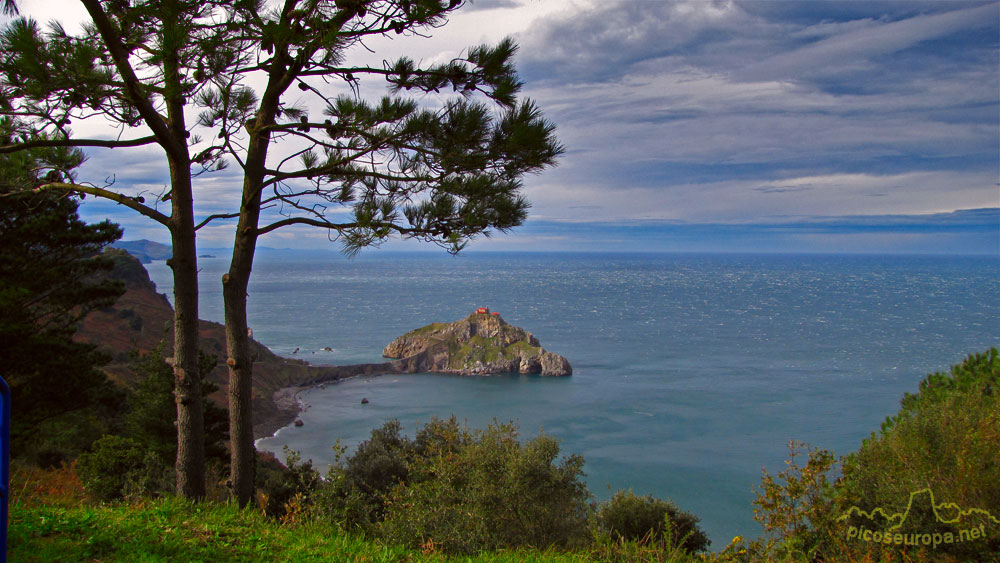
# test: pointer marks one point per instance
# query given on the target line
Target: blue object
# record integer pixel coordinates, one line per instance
(4, 465)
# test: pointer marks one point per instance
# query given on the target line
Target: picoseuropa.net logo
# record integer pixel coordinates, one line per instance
(952, 524)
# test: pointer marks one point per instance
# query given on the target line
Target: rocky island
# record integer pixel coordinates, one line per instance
(480, 344)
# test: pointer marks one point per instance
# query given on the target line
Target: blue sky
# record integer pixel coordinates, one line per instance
(718, 126)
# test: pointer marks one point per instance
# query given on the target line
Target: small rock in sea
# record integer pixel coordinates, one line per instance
(327, 349)
(364, 400)
(298, 422)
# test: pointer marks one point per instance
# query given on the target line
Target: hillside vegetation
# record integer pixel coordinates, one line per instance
(453, 493)
(929, 475)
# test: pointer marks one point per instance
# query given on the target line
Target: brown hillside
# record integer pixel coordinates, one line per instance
(141, 318)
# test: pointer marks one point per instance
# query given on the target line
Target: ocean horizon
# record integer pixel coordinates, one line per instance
(692, 372)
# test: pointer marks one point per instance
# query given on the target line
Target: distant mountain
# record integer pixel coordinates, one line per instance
(145, 250)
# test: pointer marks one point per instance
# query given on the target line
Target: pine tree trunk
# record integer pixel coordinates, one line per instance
(187, 383)
(235, 283)
(240, 362)
(187, 379)
(234, 291)
(172, 135)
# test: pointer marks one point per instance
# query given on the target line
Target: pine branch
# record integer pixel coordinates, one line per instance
(211, 218)
(7, 149)
(134, 203)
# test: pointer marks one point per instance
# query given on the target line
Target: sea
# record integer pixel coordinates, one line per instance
(691, 372)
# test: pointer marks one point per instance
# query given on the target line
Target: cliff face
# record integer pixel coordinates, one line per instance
(480, 344)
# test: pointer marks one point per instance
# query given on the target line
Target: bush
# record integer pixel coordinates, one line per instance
(481, 490)
(797, 507)
(380, 462)
(650, 520)
(945, 438)
(356, 486)
(281, 486)
(61, 439)
(119, 467)
(933, 462)
(459, 490)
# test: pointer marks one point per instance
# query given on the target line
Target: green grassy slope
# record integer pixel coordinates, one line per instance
(171, 529)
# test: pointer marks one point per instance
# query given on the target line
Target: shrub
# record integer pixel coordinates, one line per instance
(380, 462)
(650, 520)
(278, 485)
(61, 439)
(473, 490)
(945, 438)
(356, 486)
(461, 490)
(796, 507)
(118, 467)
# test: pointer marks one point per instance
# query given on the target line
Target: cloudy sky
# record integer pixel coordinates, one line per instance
(719, 126)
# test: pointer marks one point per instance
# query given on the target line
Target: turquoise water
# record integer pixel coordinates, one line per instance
(691, 372)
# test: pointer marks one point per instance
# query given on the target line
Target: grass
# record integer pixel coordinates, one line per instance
(176, 530)
(426, 329)
(486, 350)
(171, 529)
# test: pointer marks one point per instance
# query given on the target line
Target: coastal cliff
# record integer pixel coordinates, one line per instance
(141, 318)
(481, 344)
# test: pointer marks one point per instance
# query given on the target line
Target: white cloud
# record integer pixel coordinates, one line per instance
(605, 38)
(857, 46)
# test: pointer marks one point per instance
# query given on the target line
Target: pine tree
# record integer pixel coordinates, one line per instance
(443, 175)
(50, 266)
(151, 418)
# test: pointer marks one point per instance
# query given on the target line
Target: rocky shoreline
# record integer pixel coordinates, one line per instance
(287, 409)
(285, 402)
